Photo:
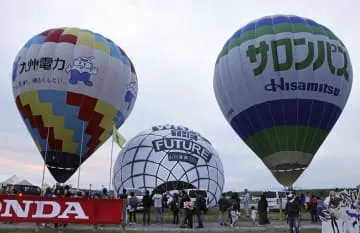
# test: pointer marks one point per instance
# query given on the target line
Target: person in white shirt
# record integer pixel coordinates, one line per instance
(307, 199)
(253, 214)
(157, 198)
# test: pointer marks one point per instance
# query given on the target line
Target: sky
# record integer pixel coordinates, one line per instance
(174, 45)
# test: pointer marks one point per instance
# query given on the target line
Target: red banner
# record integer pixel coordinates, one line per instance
(59, 210)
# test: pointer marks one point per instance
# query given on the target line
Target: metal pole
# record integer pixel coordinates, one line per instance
(81, 148)
(112, 148)
(89, 191)
(46, 149)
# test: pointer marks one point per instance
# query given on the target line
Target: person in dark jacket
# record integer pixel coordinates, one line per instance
(48, 192)
(104, 194)
(175, 208)
(147, 203)
(165, 200)
(189, 209)
(292, 210)
(200, 207)
(183, 198)
(224, 205)
(262, 210)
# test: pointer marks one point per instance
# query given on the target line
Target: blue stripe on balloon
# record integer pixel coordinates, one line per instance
(36, 135)
(35, 40)
(100, 38)
(114, 50)
(268, 21)
(118, 120)
(70, 113)
(85, 148)
(287, 112)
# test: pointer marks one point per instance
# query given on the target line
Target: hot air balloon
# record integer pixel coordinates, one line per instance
(282, 82)
(169, 157)
(70, 86)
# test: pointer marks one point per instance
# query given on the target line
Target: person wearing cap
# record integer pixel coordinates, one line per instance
(292, 210)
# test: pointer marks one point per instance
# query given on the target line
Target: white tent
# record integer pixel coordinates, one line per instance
(16, 180)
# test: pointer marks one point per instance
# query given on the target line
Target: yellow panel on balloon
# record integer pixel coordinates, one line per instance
(109, 112)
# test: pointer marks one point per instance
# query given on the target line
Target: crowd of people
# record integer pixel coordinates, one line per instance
(230, 213)
(184, 209)
(317, 207)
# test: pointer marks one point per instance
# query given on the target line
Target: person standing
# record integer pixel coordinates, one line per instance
(334, 203)
(312, 206)
(253, 214)
(234, 203)
(319, 207)
(262, 210)
(184, 196)
(157, 198)
(200, 207)
(292, 210)
(124, 198)
(175, 208)
(133, 203)
(165, 200)
(246, 202)
(224, 205)
(104, 194)
(189, 208)
(235, 215)
(302, 201)
(147, 202)
(307, 199)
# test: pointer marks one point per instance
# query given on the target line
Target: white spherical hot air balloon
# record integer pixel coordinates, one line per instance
(168, 158)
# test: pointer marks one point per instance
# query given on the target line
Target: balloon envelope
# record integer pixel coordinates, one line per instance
(282, 82)
(170, 157)
(70, 85)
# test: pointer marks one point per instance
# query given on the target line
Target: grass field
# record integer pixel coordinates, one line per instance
(211, 216)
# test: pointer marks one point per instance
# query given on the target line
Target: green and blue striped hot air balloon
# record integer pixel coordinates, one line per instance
(282, 82)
